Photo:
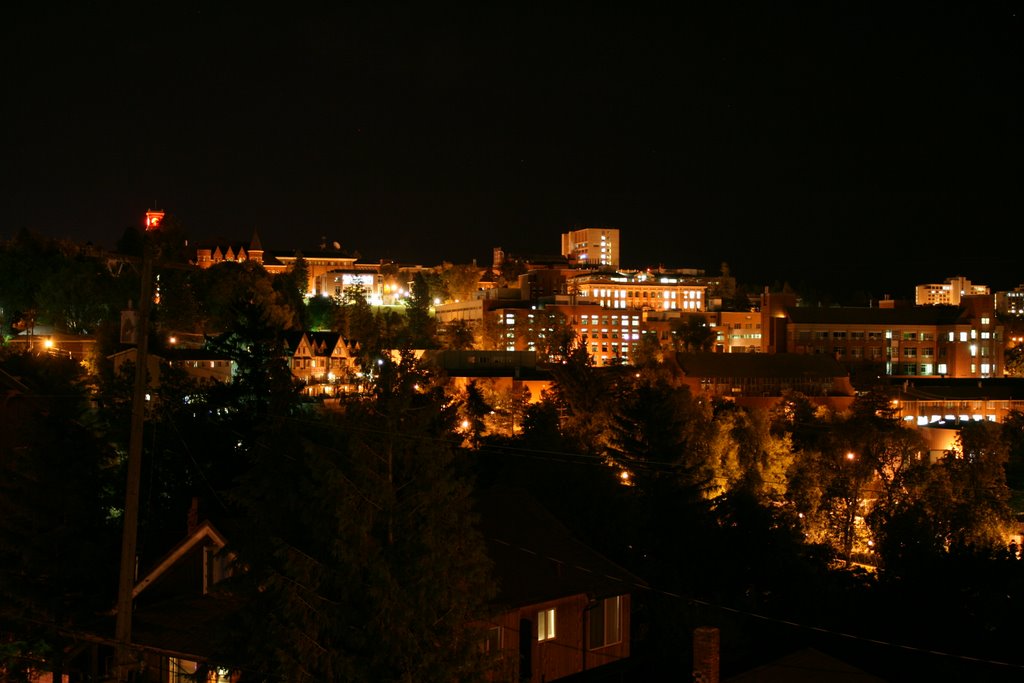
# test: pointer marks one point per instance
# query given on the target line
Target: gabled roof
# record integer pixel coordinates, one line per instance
(536, 559)
(759, 365)
(204, 533)
(806, 666)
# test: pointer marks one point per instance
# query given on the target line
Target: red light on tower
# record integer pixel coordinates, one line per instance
(153, 219)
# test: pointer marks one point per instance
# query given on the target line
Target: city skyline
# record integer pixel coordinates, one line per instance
(874, 148)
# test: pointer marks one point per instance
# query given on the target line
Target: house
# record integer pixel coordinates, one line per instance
(562, 608)
(324, 362)
(178, 613)
(199, 364)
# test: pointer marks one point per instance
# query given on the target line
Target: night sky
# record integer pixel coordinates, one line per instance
(847, 143)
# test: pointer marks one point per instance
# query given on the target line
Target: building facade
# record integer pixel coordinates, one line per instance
(949, 293)
(951, 341)
(597, 247)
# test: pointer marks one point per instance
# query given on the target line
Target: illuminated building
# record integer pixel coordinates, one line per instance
(738, 331)
(641, 290)
(948, 293)
(1011, 303)
(951, 341)
(597, 247)
(330, 270)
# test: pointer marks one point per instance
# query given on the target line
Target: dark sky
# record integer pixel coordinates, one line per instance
(847, 143)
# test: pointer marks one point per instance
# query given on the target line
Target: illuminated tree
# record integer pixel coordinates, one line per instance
(457, 335)
(422, 327)
(1013, 361)
(460, 282)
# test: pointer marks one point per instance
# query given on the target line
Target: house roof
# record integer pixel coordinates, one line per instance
(759, 365)
(805, 666)
(535, 557)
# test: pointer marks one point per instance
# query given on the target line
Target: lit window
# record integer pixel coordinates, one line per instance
(181, 670)
(546, 625)
(942, 368)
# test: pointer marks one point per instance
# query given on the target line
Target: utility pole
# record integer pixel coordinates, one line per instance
(129, 537)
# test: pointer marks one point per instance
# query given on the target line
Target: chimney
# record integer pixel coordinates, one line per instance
(705, 654)
(193, 515)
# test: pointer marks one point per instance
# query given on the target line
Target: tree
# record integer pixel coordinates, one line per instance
(368, 566)
(692, 333)
(58, 547)
(460, 282)
(422, 327)
(1013, 361)
(973, 477)
(457, 335)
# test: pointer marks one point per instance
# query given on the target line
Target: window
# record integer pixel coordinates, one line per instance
(942, 368)
(546, 625)
(181, 670)
(492, 640)
(606, 622)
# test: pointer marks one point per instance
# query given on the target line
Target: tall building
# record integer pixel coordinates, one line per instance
(948, 293)
(597, 247)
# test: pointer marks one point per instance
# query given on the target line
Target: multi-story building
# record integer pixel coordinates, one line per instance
(948, 293)
(951, 341)
(737, 331)
(1011, 303)
(598, 247)
(330, 270)
(642, 291)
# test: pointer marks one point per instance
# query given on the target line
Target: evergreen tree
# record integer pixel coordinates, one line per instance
(367, 564)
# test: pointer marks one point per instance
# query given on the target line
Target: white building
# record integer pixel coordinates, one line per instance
(948, 293)
(592, 247)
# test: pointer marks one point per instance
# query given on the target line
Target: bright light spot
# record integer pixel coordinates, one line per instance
(173, 340)
(437, 301)
(465, 424)
(851, 456)
(48, 343)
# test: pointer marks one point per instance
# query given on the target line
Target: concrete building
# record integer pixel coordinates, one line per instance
(598, 247)
(948, 293)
